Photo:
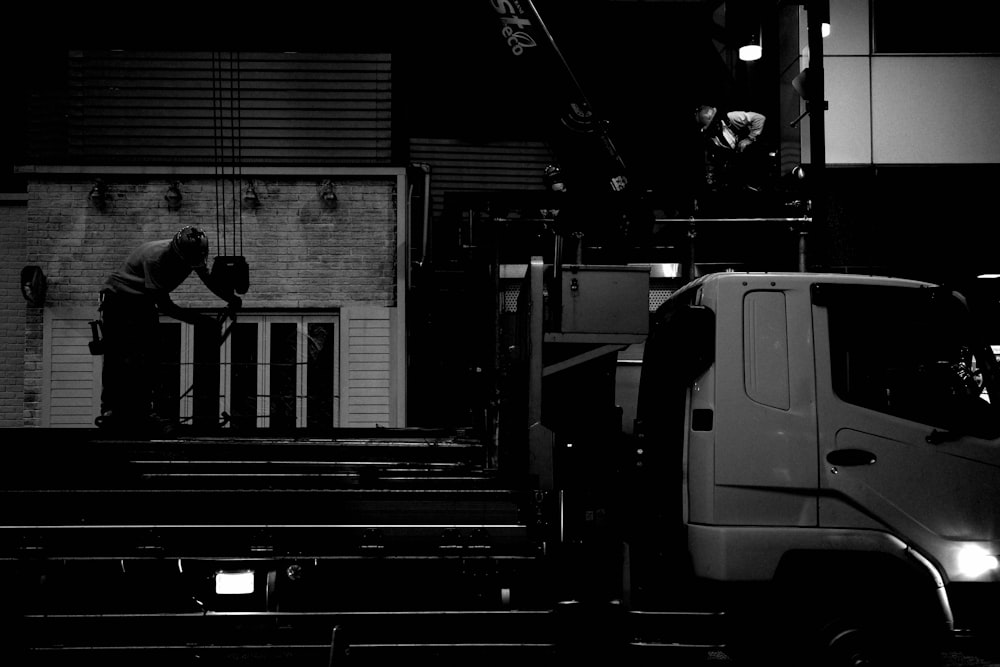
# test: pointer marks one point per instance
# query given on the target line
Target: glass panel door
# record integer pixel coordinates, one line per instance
(272, 371)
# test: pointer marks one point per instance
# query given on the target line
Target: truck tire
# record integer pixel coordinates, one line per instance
(887, 637)
(849, 640)
(863, 613)
(786, 631)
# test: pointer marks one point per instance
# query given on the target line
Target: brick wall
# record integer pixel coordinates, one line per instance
(301, 253)
(13, 221)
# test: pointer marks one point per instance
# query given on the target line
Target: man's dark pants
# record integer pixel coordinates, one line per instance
(129, 326)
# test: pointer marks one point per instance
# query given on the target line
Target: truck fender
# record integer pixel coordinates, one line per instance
(874, 604)
(887, 572)
(828, 591)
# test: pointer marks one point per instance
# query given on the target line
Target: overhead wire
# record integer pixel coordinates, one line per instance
(239, 151)
(216, 145)
(227, 82)
(232, 144)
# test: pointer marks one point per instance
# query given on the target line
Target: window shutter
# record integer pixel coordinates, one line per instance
(168, 108)
(72, 373)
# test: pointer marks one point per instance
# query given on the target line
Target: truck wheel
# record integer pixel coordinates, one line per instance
(849, 639)
(842, 643)
(876, 615)
(804, 639)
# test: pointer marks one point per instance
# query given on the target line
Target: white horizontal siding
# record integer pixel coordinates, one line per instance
(369, 382)
(71, 386)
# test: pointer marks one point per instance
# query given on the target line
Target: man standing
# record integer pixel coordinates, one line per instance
(132, 299)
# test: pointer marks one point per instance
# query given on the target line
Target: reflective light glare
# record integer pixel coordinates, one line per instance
(974, 561)
(750, 52)
(825, 29)
(234, 583)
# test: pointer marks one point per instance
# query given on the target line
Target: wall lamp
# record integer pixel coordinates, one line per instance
(174, 196)
(33, 285)
(250, 197)
(750, 48)
(743, 23)
(327, 194)
(98, 195)
(821, 11)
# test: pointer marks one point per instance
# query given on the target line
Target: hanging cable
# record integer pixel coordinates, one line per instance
(216, 129)
(230, 265)
(237, 195)
(219, 147)
(232, 149)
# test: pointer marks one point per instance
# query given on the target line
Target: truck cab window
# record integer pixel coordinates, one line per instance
(911, 353)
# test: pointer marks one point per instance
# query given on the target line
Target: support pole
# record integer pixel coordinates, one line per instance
(541, 440)
(817, 11)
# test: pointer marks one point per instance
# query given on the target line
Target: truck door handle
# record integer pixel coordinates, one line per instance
(850, 457)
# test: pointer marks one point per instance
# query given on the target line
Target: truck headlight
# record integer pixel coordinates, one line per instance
(974, 561)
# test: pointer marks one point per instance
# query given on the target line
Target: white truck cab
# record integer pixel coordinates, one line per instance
(837, 438)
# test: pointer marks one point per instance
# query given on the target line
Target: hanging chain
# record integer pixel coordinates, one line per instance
(232, 145)
(220, 212)
(239, 151)
(235, 162)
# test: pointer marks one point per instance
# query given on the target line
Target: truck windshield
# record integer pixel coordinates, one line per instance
(913, 353)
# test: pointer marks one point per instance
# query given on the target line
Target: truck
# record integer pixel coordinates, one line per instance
(812, 476)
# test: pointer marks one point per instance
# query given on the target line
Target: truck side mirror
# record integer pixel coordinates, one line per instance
(701, 339)
(680, 347)
(690, 332)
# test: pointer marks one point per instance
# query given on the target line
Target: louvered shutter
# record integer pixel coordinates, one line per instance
(198, 108)
(71, 374)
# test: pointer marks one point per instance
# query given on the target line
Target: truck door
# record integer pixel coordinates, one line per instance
(907, 432)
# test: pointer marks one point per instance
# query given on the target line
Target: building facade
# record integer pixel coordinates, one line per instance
(413, 128)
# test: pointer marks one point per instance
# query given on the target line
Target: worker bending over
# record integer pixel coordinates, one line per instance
(131, 301)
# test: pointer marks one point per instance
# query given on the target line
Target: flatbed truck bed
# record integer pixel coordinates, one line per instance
(363, 547)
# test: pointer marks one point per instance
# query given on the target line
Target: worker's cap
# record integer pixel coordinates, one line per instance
(705, 114)
(192, 245)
